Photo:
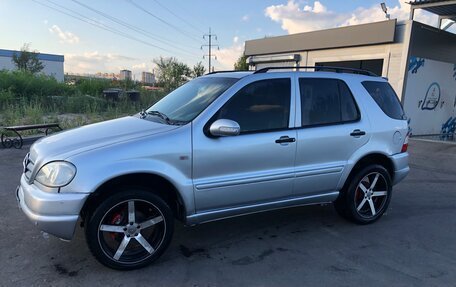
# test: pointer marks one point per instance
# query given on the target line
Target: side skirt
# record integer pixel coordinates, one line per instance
(219, 214)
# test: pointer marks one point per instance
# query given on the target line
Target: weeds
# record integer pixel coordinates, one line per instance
(28, 99)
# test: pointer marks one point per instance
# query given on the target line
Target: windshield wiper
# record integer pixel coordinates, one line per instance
(159, 114)
(162, 116)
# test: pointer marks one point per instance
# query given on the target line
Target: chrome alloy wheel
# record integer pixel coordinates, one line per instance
(131, 231)
(371, 195)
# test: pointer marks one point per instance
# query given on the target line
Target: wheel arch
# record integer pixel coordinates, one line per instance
(149, 181)
(368, 159)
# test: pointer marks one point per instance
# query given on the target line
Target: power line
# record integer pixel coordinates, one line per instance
(99, 25)
(133, 28)
(118, 31)
(163, 21)
(210, 45)
(80, 17)
(177, 16)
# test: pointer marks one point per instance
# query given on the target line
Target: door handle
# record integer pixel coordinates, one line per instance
(357, 133)
(285, 139)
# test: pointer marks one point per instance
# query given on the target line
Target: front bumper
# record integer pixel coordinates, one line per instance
(54, 213)
(401, 166)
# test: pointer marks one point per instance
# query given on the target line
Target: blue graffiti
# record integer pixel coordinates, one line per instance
(449, 127)
(415, 63)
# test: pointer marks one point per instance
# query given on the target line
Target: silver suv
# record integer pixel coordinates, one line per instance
(222, 145)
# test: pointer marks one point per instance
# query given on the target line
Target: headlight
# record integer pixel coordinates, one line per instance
(56, 174)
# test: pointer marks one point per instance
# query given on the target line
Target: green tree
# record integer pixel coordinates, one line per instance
(241, 63)
(27, 61)
(172, 73)
(198, 70)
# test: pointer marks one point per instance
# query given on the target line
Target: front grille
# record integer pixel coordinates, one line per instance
(28, 166)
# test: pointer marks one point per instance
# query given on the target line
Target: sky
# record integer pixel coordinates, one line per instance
(110, 35)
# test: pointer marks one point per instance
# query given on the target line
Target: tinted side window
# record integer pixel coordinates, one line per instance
(260, 106)
(386, 98)
(326, 101)
(349, 110)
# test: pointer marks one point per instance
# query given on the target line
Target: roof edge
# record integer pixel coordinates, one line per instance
(41, 56)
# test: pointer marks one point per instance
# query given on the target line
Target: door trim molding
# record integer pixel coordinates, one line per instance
(245, 180)
(320, 171)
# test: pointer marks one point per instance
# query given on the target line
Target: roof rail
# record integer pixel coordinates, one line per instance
(321, 68)
(227, 71)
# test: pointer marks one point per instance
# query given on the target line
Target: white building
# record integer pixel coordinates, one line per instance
(419, 60)
(53, 64)
(125, 75)
(148, 78)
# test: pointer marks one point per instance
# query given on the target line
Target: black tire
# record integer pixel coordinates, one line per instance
(362, 203)
(108, 228)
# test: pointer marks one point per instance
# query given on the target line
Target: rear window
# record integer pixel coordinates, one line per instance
(386, 98)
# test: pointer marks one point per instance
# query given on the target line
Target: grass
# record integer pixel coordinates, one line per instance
(31, 99)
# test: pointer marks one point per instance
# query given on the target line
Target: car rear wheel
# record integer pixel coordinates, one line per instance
(130, 229)
(367, 196)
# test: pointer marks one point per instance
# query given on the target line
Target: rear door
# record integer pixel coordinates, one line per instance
(332, 129)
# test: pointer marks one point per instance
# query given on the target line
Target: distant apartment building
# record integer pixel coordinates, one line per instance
(109, 76)
(148, 78)
(98, 75)
(53, 64)
(125, 75)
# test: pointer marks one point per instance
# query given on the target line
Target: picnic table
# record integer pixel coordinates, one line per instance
(16, 141)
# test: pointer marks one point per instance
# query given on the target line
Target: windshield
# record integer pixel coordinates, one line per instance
(187, 101)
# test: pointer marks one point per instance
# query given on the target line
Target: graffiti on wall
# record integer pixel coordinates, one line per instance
(432, 97)
(449, 127)
(454, 71)
(415, 63)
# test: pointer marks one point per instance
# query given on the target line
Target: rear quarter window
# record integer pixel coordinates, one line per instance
(385, 97)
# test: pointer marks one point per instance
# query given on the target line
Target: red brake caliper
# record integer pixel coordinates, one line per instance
(116, 219)
(359, 194)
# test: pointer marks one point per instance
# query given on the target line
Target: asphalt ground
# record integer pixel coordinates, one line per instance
(414, 244)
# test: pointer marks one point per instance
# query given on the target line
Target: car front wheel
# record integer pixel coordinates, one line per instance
(129, 229)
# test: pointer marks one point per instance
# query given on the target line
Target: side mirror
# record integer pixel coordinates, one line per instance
(224, 128)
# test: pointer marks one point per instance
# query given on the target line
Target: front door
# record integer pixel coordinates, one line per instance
(257, 165)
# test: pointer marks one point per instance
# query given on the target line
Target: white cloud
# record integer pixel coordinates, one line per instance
(96, 57)
(226, 57)
(93, 62)
(245, 18)
(294, 18)
(64, 36)
(142, 67)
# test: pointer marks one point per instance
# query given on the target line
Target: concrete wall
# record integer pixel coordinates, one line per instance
(430, 93)
(430, 98)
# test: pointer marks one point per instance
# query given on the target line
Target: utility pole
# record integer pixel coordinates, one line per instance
(210, 45)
